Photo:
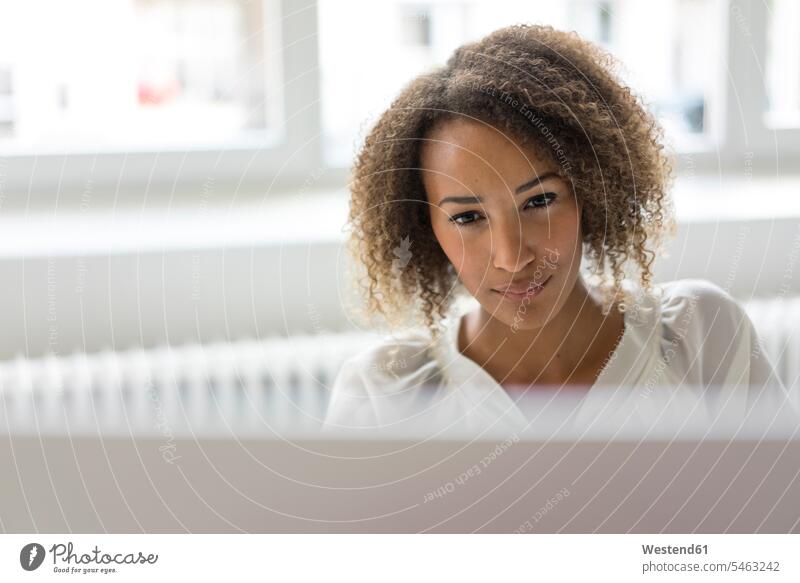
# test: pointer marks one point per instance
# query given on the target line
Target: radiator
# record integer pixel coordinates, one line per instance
(243, 387)
(777, 321)
(239, 387)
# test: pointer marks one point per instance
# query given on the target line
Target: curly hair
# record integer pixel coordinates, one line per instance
(547, 88)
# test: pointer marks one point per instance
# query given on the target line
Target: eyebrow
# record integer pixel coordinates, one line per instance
(519, 190)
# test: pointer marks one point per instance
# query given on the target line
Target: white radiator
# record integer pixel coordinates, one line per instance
(777, 321)
(219, 389)
(239, 387)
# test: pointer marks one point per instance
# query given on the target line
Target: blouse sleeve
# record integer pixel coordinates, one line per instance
(711, 332)
(384, 386)
(350, 404)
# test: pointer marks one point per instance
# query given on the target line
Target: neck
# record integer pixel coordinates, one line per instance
(551, 352)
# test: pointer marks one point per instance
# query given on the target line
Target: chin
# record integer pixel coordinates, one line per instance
(519, 317)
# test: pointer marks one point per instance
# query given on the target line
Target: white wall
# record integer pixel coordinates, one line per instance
(175, 290)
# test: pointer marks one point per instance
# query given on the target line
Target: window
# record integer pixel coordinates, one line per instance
(783, 63)
(159, 96)
(135, 74)
(671, 52)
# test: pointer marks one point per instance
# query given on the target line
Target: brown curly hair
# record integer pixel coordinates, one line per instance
(545, 87)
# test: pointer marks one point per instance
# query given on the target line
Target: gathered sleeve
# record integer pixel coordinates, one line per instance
(714, 339)
(388, 385)
(350, 404)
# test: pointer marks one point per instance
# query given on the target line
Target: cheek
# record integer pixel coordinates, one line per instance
(464, 250)
(564, 229)
(561, 232)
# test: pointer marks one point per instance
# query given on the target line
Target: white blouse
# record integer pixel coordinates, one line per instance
(690, 353)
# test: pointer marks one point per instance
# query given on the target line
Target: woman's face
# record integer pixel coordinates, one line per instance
(507, 222)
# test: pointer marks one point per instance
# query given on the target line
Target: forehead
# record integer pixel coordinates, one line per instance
(461, 151)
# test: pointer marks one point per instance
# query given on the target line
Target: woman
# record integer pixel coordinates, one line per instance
(497, 175)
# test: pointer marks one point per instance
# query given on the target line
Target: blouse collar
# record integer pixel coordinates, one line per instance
(630, 359)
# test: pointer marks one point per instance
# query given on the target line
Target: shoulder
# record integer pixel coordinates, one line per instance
(382, 381)
(694, 288)
(704, 318)
(712, 335)
(390, 360)
(697, 302)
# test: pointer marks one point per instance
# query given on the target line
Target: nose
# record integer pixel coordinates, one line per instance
(510, 249)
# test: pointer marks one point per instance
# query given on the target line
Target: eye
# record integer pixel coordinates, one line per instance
(467, 218)
(535, 202)
(540, 200)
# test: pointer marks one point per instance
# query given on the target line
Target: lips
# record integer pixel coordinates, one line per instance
(522, 288)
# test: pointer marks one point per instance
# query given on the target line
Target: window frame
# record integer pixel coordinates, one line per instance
(72, 178)
(744, 142)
